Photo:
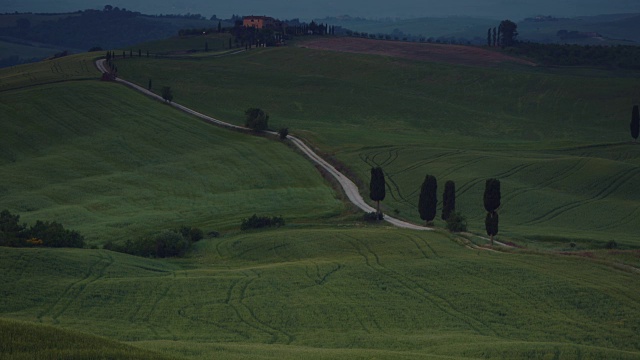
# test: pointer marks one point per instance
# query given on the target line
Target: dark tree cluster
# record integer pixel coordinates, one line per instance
(43, 233)
(167, 243)
(256, 119)
(505, 35)
(634, 126)
(259, 222)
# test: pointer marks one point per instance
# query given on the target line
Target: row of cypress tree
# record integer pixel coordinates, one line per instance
(428, 200)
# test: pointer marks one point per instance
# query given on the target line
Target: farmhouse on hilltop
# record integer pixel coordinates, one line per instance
(258, 22)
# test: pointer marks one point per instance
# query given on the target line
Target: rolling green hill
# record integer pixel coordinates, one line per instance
(113, 164)
(332, 293)
(558, 141)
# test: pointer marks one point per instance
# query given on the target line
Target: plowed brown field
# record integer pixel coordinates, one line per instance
(453, 54)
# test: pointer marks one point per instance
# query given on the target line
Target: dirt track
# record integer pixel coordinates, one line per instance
(452, 54)
(350, 189)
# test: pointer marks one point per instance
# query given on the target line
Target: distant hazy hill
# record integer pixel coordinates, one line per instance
(601, 29)
(25, 37)
(308, 9)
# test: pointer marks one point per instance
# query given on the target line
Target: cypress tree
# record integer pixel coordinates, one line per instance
(491, 204)
(377, 186)
(428, 200)
(149, 87)
(635, 123)
(492, 195)
(489, 37)
(448, 200)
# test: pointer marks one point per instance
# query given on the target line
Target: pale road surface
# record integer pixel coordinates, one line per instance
(350, 189)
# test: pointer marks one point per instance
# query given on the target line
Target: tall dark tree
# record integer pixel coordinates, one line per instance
(508, 32)
(256, 119)
(219, 26)
(149, 87)
(489, 37)
(491, 225)
(495, 37)
(635, 123)
(448, 200)
(377, 186)
(492, 195)
(206, 46)
(167, 94)
(491, 204)
(428, 200)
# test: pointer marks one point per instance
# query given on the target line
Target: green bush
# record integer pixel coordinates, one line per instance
(50, 234)
(373, 217)
(456, 222)
(258, 222)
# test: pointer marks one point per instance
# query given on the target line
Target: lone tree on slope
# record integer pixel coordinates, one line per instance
(507, 33)
(491, 204)
(377, 186)
(167, 94)
(256, 119)
(428, 200)
(635, 123)
(448, 200)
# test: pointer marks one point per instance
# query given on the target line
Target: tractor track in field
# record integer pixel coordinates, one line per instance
(614, 185)
(349, 187)
(417, 289)
(72, 292)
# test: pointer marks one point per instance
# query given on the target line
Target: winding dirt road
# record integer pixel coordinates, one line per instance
(350, 189)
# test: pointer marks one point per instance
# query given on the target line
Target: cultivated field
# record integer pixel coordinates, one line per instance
(332, 293)
(116, 165)
(559, 142)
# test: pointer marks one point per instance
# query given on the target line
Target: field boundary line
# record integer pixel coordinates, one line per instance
(348, 186)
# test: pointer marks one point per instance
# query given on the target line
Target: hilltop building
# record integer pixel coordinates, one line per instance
(258, 22)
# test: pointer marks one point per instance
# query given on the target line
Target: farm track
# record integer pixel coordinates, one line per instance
(615, 184)
(372, 260)
(73, 291)
(350, 189)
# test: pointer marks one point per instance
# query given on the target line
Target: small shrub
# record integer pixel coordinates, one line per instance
(572, 244)
(456, 222)
(283, 133)
(612, 244)
(373, 217)
(258, 222)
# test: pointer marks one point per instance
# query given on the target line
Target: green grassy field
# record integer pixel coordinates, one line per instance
(113, 164)
(116, 165)
(332, 293)
(559, 142)
(197, 43)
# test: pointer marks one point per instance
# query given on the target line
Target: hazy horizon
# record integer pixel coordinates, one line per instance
(306, 9)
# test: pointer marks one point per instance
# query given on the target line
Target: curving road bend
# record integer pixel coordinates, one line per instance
(350, 189)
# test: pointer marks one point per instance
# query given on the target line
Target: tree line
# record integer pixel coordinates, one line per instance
(428, 202)
(42, 233)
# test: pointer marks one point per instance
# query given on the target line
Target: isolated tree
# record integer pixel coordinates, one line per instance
(492, 195)
(219, 26)
(489, 37)
(491, 225)
(377, 186)
(283, 133)
(495, 37)
(635, 123)
(256, 119)
(491, 204)
(139, 52)
(149, 87)
(428, 200)
(508, 32)
(167, 94)
(448, 200)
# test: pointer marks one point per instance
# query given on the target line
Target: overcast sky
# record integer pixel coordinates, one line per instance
(308, 9)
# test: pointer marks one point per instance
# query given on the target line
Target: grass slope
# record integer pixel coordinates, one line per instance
(21, 340)
(332, 293)
(559, 142)
(113, 164)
